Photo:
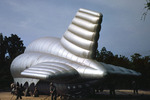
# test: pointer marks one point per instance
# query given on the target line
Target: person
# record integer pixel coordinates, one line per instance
(12, 86)
(18, 92)
(26, 93)
(52, 91)
(112, 88)
(135, 87)
(36, 92)
(22, 90)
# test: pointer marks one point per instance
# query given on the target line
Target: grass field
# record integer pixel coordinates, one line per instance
(120, 95)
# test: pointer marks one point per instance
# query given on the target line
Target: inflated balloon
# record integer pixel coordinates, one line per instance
(67, 59)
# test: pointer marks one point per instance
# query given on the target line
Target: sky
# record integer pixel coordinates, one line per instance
(123, 32)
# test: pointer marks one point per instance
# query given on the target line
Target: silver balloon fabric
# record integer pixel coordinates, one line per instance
(83, 33)
(68, 58)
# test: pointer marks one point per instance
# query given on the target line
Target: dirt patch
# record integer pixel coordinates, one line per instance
(120, 95)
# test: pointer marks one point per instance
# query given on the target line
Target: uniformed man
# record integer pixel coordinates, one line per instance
(52, 91)
(36, 92)
(135, 87)
(18, 90)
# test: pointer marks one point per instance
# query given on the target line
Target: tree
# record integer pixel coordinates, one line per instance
(142, 65)
(2, 48)
(137, 62)
(104, 56)
(147, 8)
(15, 46)
(10, 47)
(121, 61)
(135, 57)
(97, 54)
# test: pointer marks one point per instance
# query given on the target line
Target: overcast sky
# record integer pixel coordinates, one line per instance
(123, 32)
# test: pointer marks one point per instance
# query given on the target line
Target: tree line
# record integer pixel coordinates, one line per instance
(137, 63)
(12, 46)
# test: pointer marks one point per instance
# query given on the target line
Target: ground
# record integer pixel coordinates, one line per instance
(120, 95)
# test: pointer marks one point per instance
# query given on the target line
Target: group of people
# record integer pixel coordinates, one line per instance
(17, 90)
(134, 84)
(20, 91)
(111, 86)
